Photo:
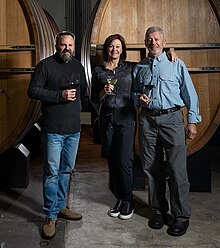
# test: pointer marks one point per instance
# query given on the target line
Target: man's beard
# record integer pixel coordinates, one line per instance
(64, 57)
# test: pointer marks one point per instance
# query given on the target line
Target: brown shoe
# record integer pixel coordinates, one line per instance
(69, 214)
(49, 229)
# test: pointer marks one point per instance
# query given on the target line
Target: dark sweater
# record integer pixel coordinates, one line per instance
(50, 77)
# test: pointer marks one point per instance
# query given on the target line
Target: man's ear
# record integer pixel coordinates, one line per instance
(164, 42)
(145, 42)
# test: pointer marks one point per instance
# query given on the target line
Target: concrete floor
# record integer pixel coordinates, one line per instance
(21, 217)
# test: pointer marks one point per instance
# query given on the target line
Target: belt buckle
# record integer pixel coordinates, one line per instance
(156, 112)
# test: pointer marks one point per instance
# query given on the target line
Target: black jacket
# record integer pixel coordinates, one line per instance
(120, 106)
(123, 89)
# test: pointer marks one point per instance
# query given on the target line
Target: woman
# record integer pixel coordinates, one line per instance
(117, 121)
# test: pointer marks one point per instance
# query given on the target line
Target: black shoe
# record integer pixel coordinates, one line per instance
(127, 210)
(178, 228)
(156, 221)
(115, 211)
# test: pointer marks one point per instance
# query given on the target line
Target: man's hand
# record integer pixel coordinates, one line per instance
(191, 131)
(69, 95)
(144, 100)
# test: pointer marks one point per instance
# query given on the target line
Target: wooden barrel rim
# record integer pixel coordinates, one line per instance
(41, 33)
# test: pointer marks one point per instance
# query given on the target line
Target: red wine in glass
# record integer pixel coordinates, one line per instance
(75, 81)
(149, 87)
(73, 85)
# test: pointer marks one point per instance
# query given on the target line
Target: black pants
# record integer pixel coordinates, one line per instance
(118, 131)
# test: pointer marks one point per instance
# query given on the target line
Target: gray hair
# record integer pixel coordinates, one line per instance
(154, 29)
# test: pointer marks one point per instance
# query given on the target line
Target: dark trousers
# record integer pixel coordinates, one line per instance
(156, 134)
(118, 145)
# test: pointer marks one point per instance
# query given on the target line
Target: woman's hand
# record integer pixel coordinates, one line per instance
(172, 56)
(108, 88)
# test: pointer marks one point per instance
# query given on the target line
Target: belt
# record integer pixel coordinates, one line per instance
(158, 112)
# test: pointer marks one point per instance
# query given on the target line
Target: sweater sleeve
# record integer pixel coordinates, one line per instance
(37, 88)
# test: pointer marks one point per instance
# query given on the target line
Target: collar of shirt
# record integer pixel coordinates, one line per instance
(159, 58)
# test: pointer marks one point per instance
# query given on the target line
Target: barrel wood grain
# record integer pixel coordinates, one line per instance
(191, 29)
(26, 37)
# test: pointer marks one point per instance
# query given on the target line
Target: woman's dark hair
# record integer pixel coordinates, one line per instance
(108, 41)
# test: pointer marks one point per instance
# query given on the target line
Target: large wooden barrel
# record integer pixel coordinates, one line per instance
(26, 37)
(191, 29)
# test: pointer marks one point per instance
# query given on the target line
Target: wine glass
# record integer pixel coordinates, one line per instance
(147, 91)
(74, 81)
(112, 81)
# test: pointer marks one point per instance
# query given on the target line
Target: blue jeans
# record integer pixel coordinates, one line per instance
(60, 152)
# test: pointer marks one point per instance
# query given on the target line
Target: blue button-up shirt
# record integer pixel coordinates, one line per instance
(172, 85)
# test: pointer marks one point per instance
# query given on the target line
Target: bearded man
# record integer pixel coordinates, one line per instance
(59, 82)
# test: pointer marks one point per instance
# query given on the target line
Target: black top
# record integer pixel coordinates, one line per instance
(50, 77)
(123, 73)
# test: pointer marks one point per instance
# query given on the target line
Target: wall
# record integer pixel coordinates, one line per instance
(56, 8)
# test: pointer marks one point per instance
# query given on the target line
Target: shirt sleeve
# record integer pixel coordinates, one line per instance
(95, 90)
(189, 95)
